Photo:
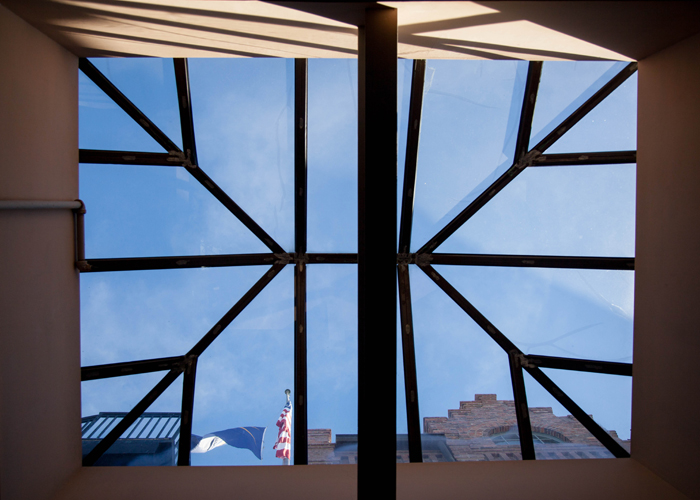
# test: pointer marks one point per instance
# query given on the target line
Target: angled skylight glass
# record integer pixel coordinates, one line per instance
(221, 235)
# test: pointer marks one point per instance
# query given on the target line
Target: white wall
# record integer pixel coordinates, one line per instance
(666, 408)
(39, 297)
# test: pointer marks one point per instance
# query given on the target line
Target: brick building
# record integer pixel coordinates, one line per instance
(481, 430)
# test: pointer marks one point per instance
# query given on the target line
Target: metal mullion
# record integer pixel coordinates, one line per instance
(584, 419)
(97, 372)
(233, 207)
(300, 154)
(585, 108)
(180, 262)
(522, 412)
(301, 446)
(582, 365)
(534, 72)
(130, 418)
(575, 159)
(186, 414)
(415, 447)
(412, 142)
(184, 99)
(227, 318)
(522, 160)
(332, 258)
(543, 261)
(123, 102)
(97, 156)
(472, 311)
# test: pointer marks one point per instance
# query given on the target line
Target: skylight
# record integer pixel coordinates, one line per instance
(200, 209)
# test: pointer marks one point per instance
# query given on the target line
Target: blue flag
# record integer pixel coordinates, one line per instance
(238, 437)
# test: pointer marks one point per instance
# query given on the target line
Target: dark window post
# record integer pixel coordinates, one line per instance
(301, 445)
(376, 245)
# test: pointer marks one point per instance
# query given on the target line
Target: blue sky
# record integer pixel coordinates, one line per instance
(243, 123)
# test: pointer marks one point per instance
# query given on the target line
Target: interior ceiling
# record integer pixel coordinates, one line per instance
(427, 30)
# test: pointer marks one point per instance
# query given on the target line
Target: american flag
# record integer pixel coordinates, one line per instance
(284, 437)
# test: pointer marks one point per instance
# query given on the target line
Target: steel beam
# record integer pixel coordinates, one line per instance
(611, 263)
(301, 445)
(522, 160)
(532, 84)
(581, 365)
(184, 100)
(130, 158)
(415, 447)
(576, 159)
(300, 153)
(97, 372)
(376, 259)
(412, 141)
(182, 262)
(123, 102)
(522, 411)
(187, 412)
(332, 258)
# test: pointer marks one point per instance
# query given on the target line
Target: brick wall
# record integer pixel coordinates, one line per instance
(467, 433)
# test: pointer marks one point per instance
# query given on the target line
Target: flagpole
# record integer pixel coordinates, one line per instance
(287, 392)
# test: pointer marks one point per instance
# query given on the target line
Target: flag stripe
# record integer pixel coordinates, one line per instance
(283, 445)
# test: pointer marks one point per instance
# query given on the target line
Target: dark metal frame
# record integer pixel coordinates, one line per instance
(377, 253)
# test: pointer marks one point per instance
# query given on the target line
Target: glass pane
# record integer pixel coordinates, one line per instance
(152, 439)
(243, 117)
(242, 376)
(332, 155)
(564, 86)
(153, 314)
(610, 126)
(136, 211)
(574, 211)
(332, 363)
(405, 75)
(550, 419)
(469, 127)
(401, 422)
(402, 455)
(148, 82)
(464, 385)
(586, 314)
(607, 397)
(104, 125)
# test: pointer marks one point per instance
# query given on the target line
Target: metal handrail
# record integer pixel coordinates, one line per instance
(78, 208)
